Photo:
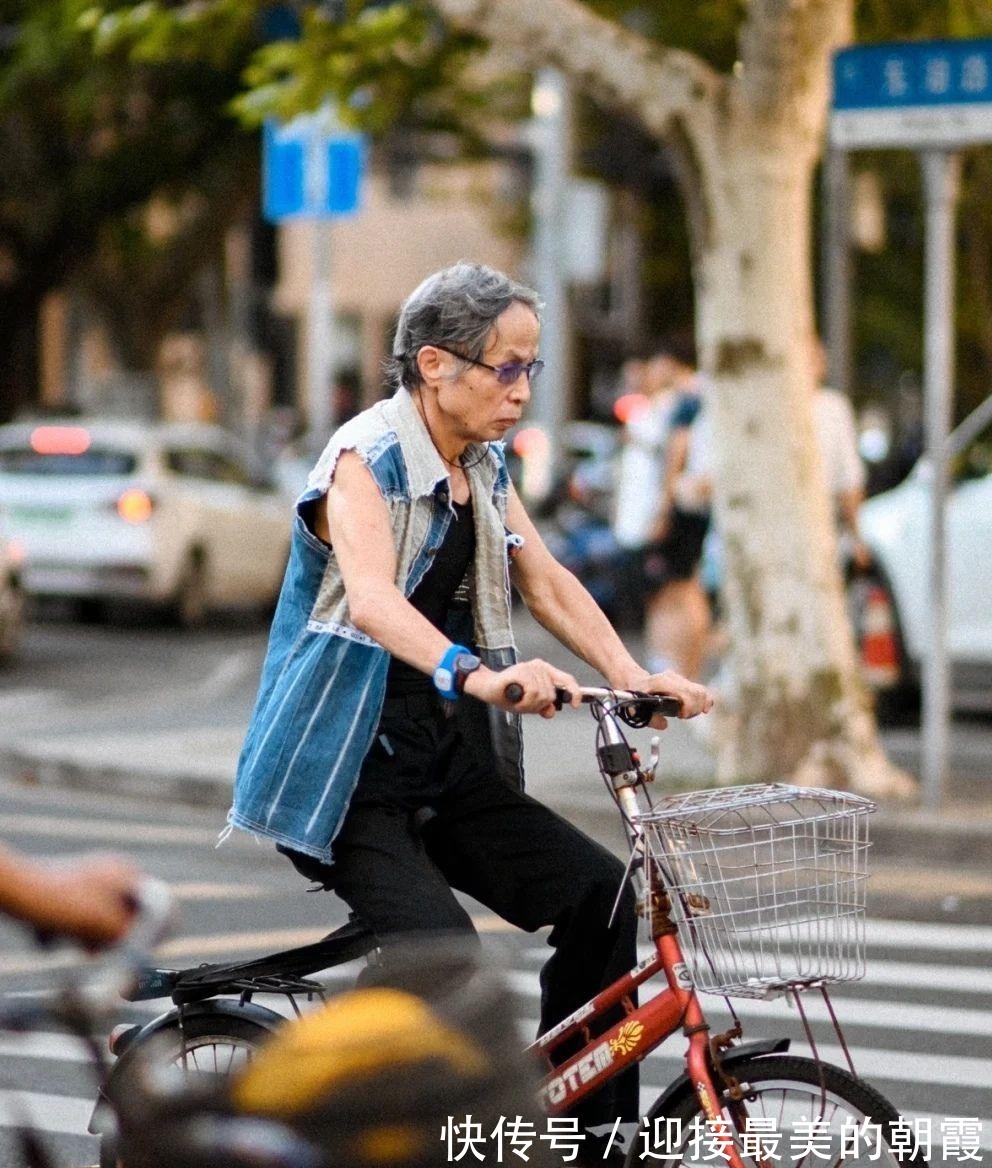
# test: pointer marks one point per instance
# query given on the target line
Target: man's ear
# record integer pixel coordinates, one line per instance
(430, 362)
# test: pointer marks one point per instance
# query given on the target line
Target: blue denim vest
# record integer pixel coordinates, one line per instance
(323, 680)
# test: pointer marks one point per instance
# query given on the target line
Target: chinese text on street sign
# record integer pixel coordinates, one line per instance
(916, 95)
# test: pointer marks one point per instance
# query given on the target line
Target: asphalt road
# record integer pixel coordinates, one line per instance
(918, 1025)
(169, 691)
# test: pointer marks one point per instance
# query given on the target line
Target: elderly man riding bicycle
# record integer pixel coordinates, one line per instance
(384, 755)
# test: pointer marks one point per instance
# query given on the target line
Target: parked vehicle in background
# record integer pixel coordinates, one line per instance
(895, 526)
(11, 595)
(167, 514)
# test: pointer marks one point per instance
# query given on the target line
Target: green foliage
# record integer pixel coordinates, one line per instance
(103, 104)
(86, 141)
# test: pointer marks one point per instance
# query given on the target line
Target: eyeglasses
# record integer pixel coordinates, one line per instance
(505, 374)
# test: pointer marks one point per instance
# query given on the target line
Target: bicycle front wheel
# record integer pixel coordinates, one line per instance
(789, 1116)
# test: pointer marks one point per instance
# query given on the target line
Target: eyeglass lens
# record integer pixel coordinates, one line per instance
(508, 374)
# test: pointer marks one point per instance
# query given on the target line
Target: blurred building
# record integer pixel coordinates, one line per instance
(242, 350)
(403, 232)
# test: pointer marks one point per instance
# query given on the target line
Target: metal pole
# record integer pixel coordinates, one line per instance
(836, 263)
(551, 141)
(941, 174)
(320, 339)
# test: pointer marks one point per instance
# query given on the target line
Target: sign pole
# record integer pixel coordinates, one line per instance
(837, 266)
(941, 173)
(934, 97)
(320, 338)
(551, 140)
(311, 170)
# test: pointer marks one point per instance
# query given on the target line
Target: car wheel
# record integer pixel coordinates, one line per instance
(189, 605)
(11, 616)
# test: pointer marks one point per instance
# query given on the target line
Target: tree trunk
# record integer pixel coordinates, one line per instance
(798, 709)
(747, 144)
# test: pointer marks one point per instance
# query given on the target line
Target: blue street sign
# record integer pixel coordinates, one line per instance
(308, 171)
(913, 94)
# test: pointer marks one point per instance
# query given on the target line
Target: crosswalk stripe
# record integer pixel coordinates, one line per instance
(63, 1048)
(70, 1115)
(57, 1114)
(898, 1066)
(862, 1012)
(891, 974)
(929, 936)
(106, 829)
(851, 1011)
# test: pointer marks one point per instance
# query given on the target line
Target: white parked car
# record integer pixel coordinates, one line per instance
(895, 526)
(11, 595)
(169, 514)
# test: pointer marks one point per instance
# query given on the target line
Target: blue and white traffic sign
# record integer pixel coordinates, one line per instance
(309, 170)
(914, 94)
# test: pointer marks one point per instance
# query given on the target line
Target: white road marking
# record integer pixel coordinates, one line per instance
(929, 936)
(58, 1114)
(891, 974)
(61, 1048)
(113, 831)
(850, 1011)
(898, 1066)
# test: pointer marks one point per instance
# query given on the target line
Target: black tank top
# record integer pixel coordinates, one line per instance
(433, 596)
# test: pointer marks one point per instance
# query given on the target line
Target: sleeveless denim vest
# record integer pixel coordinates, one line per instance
(323, 680)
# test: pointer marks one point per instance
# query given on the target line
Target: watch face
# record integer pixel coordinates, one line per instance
(466, 663)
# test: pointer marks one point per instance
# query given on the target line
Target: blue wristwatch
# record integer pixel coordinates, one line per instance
(449, 676)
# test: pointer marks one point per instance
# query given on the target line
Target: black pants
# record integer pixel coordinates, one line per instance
(428, 816)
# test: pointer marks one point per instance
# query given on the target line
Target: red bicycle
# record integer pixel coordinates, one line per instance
(747, 891)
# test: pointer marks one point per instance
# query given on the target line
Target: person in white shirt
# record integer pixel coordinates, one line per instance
(837, 434)
(640, 474)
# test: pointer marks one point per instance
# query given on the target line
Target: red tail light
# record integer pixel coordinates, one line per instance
(60, 440)
(135, 506)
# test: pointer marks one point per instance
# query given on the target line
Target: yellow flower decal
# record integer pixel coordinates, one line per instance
(627, 1037)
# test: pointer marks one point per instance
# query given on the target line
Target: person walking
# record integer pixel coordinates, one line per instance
(678, 618)
(837, 438)
(383, 756)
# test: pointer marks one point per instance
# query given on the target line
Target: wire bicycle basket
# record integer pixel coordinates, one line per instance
(767, 884)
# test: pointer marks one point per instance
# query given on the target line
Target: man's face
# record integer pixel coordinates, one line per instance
(478, 406)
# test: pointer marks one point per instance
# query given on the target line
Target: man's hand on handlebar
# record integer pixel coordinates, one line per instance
(537, 681)
(694, 698)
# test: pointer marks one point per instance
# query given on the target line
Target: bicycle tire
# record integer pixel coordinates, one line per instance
(199, 1032)
(787, 1089)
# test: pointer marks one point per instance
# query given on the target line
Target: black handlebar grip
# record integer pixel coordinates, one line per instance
(514, 692)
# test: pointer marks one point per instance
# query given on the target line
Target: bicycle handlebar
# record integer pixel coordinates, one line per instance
(663, 704)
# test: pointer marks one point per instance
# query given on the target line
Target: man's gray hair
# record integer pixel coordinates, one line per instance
(454, 308)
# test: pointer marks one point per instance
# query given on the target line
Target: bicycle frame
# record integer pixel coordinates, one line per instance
(646, 1026)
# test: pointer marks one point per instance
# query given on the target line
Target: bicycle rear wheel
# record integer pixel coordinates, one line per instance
(209, 1048)
(799, 1119)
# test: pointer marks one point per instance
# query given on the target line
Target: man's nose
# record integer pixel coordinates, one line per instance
(520, 390)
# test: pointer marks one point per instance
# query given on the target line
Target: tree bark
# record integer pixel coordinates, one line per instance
(748, 145)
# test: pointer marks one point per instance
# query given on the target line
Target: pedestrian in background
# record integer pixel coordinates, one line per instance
(837, 436)
(679, 619)
(664, 538)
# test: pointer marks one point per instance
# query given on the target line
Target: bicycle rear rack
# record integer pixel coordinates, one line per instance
(276, 973)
